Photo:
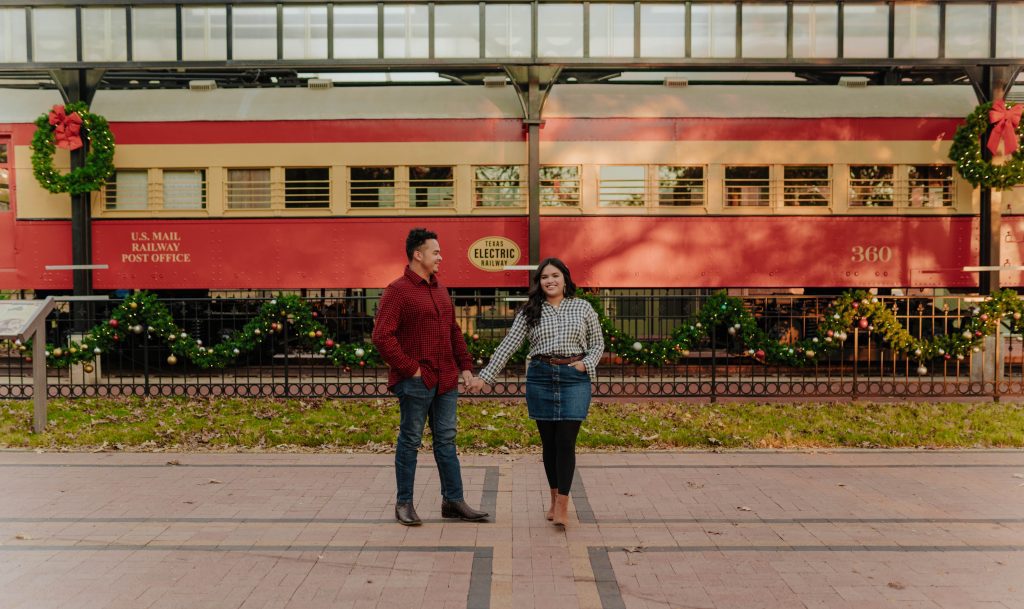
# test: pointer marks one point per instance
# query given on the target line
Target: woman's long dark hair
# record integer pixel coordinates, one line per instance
(531, 310)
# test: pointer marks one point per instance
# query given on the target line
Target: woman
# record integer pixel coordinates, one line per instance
(565, 346)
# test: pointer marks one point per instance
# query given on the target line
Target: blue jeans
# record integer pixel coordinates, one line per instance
(417, 404)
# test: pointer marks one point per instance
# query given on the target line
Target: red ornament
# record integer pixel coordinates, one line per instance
(612, 339)
(476, 337)
(347, 369)
(759, 354)
(362, 363)
(314, 314)
(863, 323)
(984, 317)
(946, 356)
(978, 333)
(319, 333)
(618, 360)
(329, 343)
(830, 333)
(116, 337)
(856, 305)
(112, 323)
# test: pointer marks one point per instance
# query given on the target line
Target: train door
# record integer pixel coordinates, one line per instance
(6, 205)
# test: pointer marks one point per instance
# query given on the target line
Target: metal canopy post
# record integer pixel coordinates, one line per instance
(533, 84)
(80, 85)
(991, 83)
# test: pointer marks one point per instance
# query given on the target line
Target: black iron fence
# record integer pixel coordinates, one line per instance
(717, 366)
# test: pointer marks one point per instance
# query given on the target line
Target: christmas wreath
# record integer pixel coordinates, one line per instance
(1003, 141)
(69, 127)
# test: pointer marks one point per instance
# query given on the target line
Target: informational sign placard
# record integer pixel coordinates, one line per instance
(22, 320)
(17, 316)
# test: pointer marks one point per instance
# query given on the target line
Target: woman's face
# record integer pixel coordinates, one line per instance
(552, 282)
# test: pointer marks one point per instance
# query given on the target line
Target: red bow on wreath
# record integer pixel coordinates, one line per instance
(1004, 127)
(67, 128)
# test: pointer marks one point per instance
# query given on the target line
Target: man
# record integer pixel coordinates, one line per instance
(416, 334)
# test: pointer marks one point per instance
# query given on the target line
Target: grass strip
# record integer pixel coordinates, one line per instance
(503, 426)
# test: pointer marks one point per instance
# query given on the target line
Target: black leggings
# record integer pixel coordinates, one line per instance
(558, 438)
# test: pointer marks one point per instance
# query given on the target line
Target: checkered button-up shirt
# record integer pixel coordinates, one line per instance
(569, 329)
(415, 328)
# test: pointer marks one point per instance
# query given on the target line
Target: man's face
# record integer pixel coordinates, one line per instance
(429, 256)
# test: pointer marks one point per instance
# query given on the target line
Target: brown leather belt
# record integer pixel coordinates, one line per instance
(559, 360)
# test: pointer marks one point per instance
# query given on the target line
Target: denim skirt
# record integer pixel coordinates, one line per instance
(557, 392)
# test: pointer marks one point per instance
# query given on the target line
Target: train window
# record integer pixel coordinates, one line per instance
(406, 30)
(5, 177)
(509, 30)
(127, 190)
(866, 30)
(560, 30)
(872, 186)
(815, 30)
(498, 186)
(764, 30)
(806, 186)
(748, 186)
(560, 186)
(50, 40)
(916, 30)
(432, 186)
(930, 186)
(307, 187)
(355, 31)
(204, 33)
(456, 30)
(304, 32)
(662, 30)
(967, 30)
(611, 30)
(622, 186)
(153, 34)
(681, 186)
(1009, 25)
(248, 188)
(372, 186)
(713, 30)
(12, 32)
(104, 34)
(185, 189)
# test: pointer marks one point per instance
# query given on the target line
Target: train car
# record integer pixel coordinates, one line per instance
(642, 186)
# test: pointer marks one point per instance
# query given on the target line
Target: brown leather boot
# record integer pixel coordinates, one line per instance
(550, 514)
(560, 515)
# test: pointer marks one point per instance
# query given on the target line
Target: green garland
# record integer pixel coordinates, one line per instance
(99, 161)
(851, 312)
(967, 147)
(854, 311)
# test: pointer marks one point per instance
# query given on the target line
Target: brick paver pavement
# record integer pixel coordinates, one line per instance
(744, 530)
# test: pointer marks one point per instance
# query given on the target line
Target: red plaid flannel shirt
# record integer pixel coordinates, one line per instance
(415, 328)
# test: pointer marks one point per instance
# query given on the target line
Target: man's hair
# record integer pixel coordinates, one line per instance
(416, 238)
